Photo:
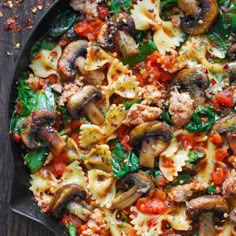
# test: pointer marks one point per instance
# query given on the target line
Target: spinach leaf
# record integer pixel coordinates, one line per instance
(71, 229)
(166, 2)
(123, 162)
(211, 189)
(197, 125)
(222, 3)
(35, 159)
(26, 97)
(62, 23)
(131, 103)
(195, 156)
(165, 116)
(145, 49)
(46, 42)
(219, 34)
(46, 99)
(181, 179)
(116, 5)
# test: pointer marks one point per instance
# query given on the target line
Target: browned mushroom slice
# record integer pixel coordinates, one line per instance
(134, 185)
(63, 196)
(149, 140)
(206, 206)
(200, 18)
(67, 61)
(83, 100)
(226, 126)
(195, 81)
(37, 127)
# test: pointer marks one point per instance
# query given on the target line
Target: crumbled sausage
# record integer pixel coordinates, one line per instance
(181, 108)
(183, 192)
(153, 95)
(139, 113)
(229, 185)
(88, 7)
(232, 160)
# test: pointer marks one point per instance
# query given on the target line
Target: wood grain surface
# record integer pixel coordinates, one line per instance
(12, 224)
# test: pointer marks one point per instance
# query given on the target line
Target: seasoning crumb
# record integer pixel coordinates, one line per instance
(8, 53)
(1, 14)
(34, 9)
(11, 25)
(16, 45)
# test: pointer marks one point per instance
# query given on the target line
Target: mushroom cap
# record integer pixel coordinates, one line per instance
(63, 196)
(203, 20)
(33, 123)
(150, 129)
(192, 78)
(80, 99)
(67, 61)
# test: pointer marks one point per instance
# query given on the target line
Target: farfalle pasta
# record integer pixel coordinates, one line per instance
(126, 118)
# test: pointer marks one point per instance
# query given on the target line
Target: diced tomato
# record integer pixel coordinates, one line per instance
(151, 206)
(123, 136)
(60, 168)
(225, 98)
(218, 176)
(186, 140)
(75, 124)
(216, 138)
(88, 28)
(17, 137)
(221, 154)
(132, 232)
(161, 181)
(102, 11)
(166, 162)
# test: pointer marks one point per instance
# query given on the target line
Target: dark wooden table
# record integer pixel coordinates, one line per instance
(10, 223)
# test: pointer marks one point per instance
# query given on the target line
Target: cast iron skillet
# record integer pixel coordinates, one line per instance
(21, 200)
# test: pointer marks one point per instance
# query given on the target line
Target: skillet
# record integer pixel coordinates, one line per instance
(21, 200)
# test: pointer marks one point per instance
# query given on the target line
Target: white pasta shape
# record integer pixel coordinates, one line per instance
(44, 184)
(146, 15)
(45, 64)
(117, 228)
(92, 134)
(196, 48)
(151, 224)
(73, 151)
(121, 81)
(177, 156)
(96, 57)
(101, 186)
(226, 229)
(204, 174)
(99, 157)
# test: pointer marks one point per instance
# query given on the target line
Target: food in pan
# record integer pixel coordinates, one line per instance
(126, 118)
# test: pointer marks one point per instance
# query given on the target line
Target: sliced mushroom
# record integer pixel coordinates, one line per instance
(153, 138)
(195, 81)
(232, 216)
(67, 61)
(83, 100)
(226, 126)
(63, 196)
(134, 185)
(94, 77)
(231, 53)
(126, 43)
(200, 18)
(206, 206)
(231, 69)
(37, 126)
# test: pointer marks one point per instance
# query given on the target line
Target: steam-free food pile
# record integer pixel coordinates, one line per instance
(126, 118)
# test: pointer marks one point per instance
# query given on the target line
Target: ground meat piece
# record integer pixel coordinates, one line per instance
(153, 95)
(69, 89)
(88, 7)
(229, 185)
(183, 192)
(181, 108)
(139, 113)
(96, 224)
(232, 160)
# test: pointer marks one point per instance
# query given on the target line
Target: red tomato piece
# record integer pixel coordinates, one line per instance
(221, 154)
(225, 98)
(218, 176)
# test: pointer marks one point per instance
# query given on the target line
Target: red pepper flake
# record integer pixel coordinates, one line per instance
(12, 3)
(28, 23)
(11, 25)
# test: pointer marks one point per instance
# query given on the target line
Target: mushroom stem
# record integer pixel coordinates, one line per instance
(206, 224)
(93, 113)
(55, 142)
